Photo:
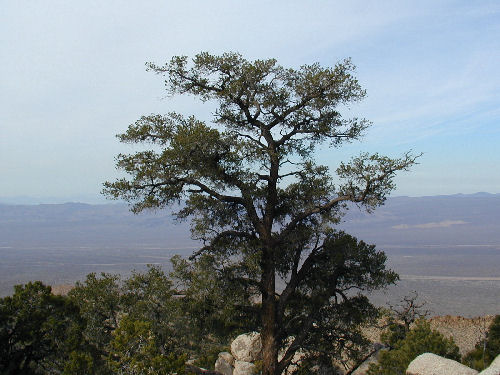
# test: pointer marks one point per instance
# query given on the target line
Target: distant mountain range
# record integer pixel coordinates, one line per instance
(458, 220)
(445, 247)
(444, 220)
(79, 224)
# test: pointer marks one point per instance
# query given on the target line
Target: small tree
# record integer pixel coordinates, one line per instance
(214, 308)
(408, 310)
(420, 339)
(262, 206)
(38, 330)
(401, 316)
(149, 297)
(113, 310)
(99, 302)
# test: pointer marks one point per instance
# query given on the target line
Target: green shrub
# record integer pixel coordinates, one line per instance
(38, 330)
(134, 351)
(207, 357)
(420, 339)
(394, 334)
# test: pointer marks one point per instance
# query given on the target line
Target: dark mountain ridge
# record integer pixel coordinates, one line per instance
(459, 219)
(430, 221)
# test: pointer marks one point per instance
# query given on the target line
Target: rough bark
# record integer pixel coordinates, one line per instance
(268, 334)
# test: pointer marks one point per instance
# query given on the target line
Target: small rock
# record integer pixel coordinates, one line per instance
(296, 361)
(227, 357)
(432, 364)
(244, 368)
(247, 347)
(223, 366)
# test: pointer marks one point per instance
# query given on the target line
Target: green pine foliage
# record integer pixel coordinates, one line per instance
(266, 212)
(394, 333)
(79, 363)
(140, 325)
(176, 326)
(38, 330)
(420, 339)
(149, 297)
(98, 298)
(208, 357)
(216, 306)
(263, 207)
(135, 351)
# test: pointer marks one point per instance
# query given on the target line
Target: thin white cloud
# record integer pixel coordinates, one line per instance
(431, 225)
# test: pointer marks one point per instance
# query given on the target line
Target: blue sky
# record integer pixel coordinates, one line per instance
(73, 76)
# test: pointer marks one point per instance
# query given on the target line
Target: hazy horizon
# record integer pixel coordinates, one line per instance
(92, 200)
(446, 247)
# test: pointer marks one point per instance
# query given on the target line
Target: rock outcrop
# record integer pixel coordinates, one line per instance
(244, 368)
(247, 347)
(224, 363)
(432, 364)
(466, 332)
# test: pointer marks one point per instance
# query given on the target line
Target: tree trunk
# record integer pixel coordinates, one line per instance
(269, 331)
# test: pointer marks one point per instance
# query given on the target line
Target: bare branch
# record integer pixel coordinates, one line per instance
(209, 191)
(256, 141)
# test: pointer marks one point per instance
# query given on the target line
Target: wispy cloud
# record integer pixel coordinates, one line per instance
(432, 225)
(73, 76)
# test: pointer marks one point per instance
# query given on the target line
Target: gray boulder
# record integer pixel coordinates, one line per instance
(493, 369)
(247, 347)
(244, 368)
(224, 363)
(227, 357)
(432, 364)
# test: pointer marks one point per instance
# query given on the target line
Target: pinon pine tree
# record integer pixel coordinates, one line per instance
(264, 208)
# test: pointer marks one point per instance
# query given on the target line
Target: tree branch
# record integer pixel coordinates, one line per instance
(295, 345)
(206, 189)
(298, 275)
(256, 141)
(318, 209)
(220, 237)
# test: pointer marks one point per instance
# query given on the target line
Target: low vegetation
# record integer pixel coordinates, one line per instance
(406, 346)
(105, 326)
(486, 349)
(151, 323)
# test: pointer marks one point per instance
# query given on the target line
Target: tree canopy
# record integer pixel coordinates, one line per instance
(104, 326)
(38, 330)
(263, 208)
